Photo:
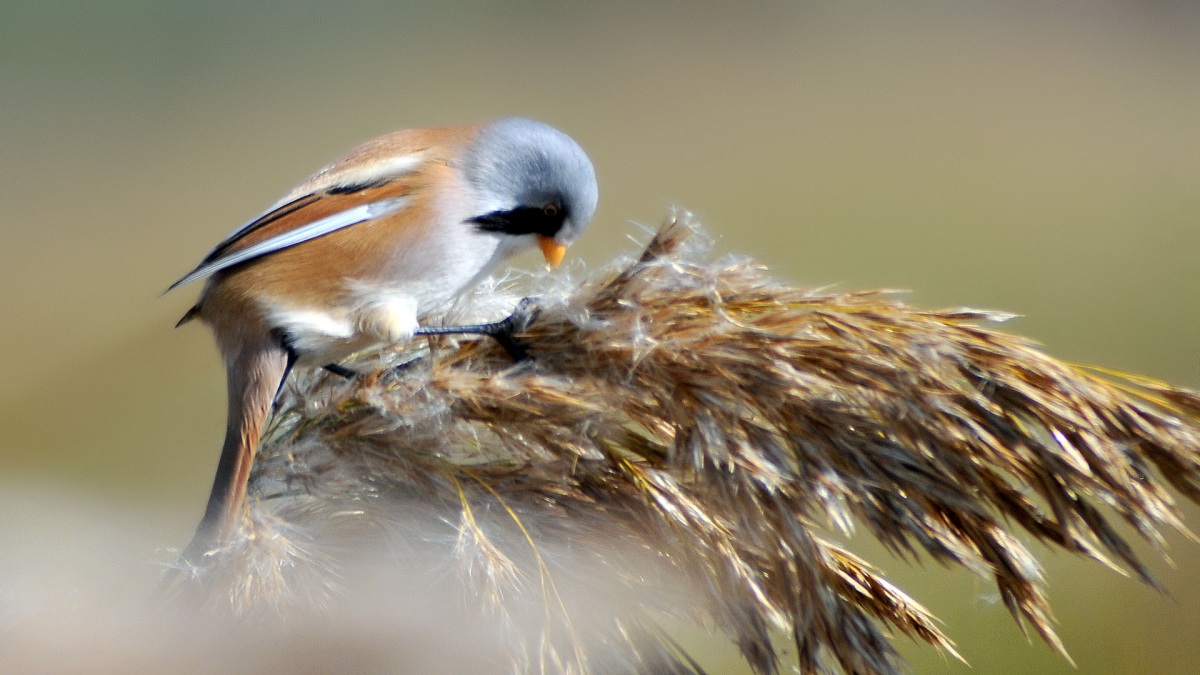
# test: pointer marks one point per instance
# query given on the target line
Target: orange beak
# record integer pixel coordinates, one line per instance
(552, 250)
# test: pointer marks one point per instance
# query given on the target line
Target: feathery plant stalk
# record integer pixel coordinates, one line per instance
(681, 434)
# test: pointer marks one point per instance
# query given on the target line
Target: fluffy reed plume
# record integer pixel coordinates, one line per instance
(681, 434)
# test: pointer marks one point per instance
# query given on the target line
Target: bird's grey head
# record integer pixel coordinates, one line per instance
(531, 179)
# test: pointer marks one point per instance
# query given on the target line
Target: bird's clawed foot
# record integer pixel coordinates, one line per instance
(501, 331)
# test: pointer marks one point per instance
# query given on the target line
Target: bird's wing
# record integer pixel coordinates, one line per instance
(216, 261)
(333, 199)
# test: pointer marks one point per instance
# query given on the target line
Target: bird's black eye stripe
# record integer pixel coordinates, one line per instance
(523, 220)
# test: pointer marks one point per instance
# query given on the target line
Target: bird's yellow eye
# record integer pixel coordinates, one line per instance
(550, 210)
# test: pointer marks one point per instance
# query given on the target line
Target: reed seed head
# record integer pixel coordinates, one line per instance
(687, 437)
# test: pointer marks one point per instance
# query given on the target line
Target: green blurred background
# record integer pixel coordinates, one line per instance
(1008, 155)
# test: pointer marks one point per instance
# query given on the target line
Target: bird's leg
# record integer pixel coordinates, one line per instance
(501, 331)
(341, 371)
(346, 373)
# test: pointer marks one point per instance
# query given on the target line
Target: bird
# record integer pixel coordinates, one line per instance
(356, 255)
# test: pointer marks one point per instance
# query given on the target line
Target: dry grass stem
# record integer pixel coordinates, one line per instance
(682, 433)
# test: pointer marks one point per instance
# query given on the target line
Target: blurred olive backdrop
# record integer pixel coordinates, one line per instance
(1005, 155)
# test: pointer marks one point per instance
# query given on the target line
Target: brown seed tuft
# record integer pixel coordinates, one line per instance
(682, 431)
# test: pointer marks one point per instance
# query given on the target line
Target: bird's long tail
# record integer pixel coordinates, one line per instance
(255, 374)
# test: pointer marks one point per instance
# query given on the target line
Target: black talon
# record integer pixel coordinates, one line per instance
(516, 351)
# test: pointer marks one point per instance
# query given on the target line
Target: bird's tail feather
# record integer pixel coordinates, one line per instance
(255, 374)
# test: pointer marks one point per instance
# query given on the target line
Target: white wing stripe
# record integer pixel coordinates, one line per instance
(312, 230)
